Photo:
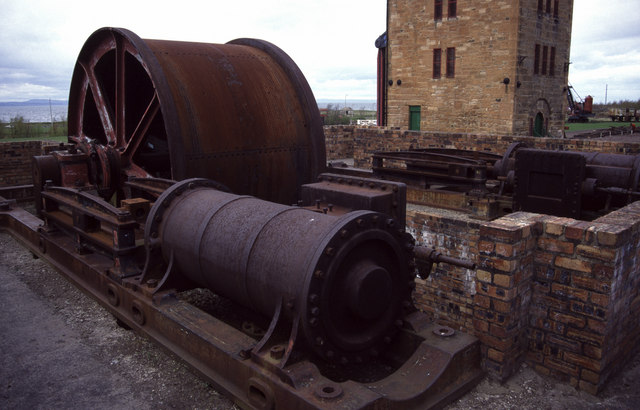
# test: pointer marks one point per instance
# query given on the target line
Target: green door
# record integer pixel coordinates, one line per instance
(414, 117)
(538, 127)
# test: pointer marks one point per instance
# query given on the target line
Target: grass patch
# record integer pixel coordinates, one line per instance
(20, 130)
(595, 125)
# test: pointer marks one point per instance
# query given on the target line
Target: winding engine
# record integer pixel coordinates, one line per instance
(202, 166)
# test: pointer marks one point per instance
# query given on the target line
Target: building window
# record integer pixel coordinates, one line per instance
(540, 6)
(545, 52)
(548, 7)
(536, 60)
(552, 62)
(451, 62)
(414, 117)
(437, 63)
(452, 8)
(437, 10)
(555, 8)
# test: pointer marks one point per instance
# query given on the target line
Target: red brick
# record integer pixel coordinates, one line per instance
(495, 355)
(504, 249)
(554, 226)
(613, 236)
(590, 376)
(486, 247)
(591, 283)
(582, 361)
(506, 281)
(555, 245)
(576, 230)
(501, 233)
(505, 265)
(602, 253)
(495, 291)
(592, 351)
(588, 387)
(603, 271)
(585, 336)
(483, 276)
(561, 367)
(544, 258)
(482, 301)
(598, 326)
(501, 306)
(564, 291)
(575, 321)
(480, 325)
(573, 264)
(564, 343)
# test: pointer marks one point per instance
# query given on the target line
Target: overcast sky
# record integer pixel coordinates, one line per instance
(331, 40)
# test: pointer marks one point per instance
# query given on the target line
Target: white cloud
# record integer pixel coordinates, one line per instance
(332, 41)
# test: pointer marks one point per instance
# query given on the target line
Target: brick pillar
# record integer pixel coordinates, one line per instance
(503, 291)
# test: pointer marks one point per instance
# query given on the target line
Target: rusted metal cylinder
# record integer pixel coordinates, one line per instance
(241, 113)
(344, 278)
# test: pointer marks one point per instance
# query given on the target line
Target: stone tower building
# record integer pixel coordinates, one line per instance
(493, 66)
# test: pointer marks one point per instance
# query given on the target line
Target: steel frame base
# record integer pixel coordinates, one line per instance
(443, 366)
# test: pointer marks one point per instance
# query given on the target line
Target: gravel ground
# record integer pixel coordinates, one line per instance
(59, 349)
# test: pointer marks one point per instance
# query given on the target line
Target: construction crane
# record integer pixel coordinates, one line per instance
(579, 110)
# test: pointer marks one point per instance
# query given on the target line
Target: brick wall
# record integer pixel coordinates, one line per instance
(366, 141)
(15, 161)
(561, 294)
(339, 142)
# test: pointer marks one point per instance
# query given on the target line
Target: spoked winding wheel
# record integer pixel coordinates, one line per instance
(239, 113)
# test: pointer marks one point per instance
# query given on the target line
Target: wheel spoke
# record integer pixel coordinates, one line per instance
(142, 128)
(100, 102)
(120, 92)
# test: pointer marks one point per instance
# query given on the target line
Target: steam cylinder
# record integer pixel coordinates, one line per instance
(345, 278)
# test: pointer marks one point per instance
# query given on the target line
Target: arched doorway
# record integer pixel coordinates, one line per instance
(538, 126)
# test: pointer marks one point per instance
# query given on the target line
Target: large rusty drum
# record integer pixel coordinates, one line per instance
(239, 113)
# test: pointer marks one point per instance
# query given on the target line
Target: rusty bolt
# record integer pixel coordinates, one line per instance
(318, 274)
(344, 233)
(277, 352)
(314, 298)
(315, 311)
(325, 210)
(313, 321)
(330, 251)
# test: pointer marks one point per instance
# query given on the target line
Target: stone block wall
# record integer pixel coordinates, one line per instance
(493, 41)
